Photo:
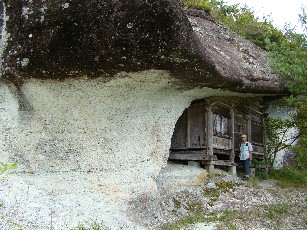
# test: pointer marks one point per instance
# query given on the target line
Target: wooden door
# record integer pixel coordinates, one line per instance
(197, 126)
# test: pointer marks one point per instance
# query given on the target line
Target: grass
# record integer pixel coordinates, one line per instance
(93, 226)
(183, 222)
(199, 4)
(272, 216)
(274, 211)
(289, 177)
(254, 182)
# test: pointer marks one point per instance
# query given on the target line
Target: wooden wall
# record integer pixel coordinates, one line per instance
(216, 125)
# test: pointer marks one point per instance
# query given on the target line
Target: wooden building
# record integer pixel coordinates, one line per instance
(210, 131)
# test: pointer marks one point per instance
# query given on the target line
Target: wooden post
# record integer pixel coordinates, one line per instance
(252, 172)
(209, 166)
(264, 138)
(233, 169)
(188, 141)
(232, 114)
(249, 127)
(210, 132)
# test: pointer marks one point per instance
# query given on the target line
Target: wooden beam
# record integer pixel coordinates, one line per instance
(222, 151)
(224, 163)
(220, 162)
(191, 157)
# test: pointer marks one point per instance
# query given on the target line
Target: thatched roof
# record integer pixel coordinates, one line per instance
(56, 39)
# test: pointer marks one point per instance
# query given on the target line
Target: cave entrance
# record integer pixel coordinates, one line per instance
(208, 132)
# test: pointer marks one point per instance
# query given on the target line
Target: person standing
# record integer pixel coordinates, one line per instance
(246, 154)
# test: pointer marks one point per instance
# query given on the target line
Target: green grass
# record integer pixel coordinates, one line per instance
(288, 177)
(183, 222)
(274, 211)
(229, 218)
(199, 4)
(93, 226)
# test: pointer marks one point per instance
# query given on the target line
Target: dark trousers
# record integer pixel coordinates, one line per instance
(246, 165)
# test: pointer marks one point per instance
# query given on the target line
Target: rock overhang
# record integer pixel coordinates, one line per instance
(68, 39)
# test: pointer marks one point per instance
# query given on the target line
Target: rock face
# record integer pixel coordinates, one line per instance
(94, 89)
(58, 39)
(62, 39)
(110, 136)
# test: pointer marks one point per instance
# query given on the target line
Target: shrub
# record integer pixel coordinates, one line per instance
(240, 19)
(205, 5)
(290, 177)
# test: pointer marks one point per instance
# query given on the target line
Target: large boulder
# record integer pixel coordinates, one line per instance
(58, 39)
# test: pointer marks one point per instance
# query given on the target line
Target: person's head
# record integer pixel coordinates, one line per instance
(243, 138)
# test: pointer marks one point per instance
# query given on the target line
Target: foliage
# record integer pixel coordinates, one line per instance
(6, 167)
(229, 218)
(240, 19)
(290, 177)
(199, 4)
(303, 19)
(278, 137)
(289, 61)
(301, 157)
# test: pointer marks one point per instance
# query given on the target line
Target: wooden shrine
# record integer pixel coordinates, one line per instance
(210, 131)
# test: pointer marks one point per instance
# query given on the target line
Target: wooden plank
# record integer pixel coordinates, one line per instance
(210, 132)
(221, 143)
(190, 157)
(188, 151)
(197, 126)
(241, 127)
(249, 129)
(222, 151)
(221, 163)
(224, 163)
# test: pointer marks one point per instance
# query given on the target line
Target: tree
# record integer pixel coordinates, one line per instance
(240, 19)
(288, 59)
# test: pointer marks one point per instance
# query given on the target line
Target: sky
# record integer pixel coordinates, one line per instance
(281, 12)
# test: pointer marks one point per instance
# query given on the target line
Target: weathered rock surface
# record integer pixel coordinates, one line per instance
(61, 39)
(117, 130)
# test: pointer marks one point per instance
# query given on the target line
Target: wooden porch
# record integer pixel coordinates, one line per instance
(209, 131)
